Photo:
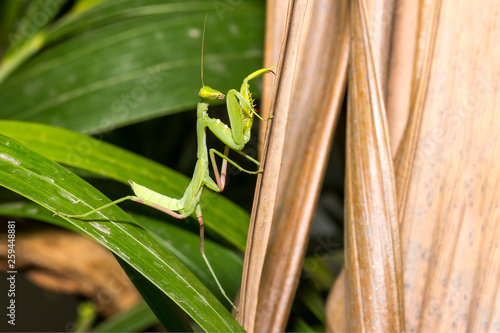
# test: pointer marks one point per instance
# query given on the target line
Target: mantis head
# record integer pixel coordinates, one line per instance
(206, 93)
(209, 94)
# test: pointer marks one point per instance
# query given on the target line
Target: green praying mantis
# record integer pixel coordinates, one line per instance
(241, 113)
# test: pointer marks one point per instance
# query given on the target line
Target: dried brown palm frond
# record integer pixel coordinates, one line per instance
(267, 184)
(448, 172)
(324, 45)
(422, 96)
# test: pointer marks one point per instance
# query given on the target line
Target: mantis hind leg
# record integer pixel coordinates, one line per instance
(144, 196)
(199, 215)
(171, 213)
(80, 216)
(130, 197)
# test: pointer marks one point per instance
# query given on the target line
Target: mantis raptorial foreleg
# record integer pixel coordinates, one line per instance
(241, 112)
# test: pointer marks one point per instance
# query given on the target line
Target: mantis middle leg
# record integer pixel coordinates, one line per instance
(221, 180)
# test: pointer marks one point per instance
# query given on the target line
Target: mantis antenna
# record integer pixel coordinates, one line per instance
(203, 49)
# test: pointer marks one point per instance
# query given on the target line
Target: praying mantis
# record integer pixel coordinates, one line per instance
(241, 113)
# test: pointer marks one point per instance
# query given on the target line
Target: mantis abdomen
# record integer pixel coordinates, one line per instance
(184, 206)
(156, 198)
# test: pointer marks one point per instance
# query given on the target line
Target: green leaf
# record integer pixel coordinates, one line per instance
(300, 325)
(10, 12)
(55, 188)
(184, 245)
(87, 314)
(170, 314)
(38, 15)
(120, 62)
(312, 299)
(77, 150)
(137, 319)
(34, 211)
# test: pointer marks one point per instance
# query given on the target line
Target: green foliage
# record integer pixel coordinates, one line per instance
(93, 66)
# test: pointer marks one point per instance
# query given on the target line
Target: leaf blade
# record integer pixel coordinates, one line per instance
(121, 69)
(40, 180)
(78, 150)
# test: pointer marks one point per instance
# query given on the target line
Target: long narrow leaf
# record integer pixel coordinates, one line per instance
(137, 319)
(55, 188)
(81, 151)
(184, 245)
(38, 15)
(169, 314)
(127, 61)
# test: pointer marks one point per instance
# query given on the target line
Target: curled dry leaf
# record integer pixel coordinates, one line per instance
(374, 284)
